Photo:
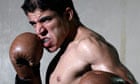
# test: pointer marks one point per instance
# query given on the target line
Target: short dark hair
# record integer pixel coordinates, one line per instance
(58, 6)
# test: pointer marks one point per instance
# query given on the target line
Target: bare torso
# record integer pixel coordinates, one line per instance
(87, 52)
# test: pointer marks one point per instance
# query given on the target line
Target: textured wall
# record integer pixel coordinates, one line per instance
(117, 20)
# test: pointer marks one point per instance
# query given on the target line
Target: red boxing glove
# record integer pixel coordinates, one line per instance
(25, 53)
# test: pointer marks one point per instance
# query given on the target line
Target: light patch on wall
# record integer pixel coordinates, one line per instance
(123, 33)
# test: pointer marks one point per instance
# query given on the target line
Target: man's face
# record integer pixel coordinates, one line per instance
(49, 27)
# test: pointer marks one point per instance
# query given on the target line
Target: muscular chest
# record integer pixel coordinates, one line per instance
(68, 70)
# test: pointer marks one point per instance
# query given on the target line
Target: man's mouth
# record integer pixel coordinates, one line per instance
(45, 40)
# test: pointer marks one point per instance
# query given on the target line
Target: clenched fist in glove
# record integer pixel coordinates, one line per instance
(100, 77)
(25, 54)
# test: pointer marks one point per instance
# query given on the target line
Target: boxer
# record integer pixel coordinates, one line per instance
(25, 54)
(100, 77)
(80, 49)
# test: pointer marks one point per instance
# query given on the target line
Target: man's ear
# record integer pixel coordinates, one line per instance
(69, 13)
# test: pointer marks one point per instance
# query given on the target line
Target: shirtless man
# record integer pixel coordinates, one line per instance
(81, 49)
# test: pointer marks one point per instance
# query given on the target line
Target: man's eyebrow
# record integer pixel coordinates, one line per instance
(43, 19)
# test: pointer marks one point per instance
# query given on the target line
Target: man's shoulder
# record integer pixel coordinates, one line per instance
(90, 41)
(89, 38)
(85, 46)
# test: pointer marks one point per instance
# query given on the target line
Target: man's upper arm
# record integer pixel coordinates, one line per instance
(89, 49)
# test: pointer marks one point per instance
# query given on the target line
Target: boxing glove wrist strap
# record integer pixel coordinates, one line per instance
(36, 71)
(22, 81)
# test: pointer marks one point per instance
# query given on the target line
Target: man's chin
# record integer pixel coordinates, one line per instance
(51, 50)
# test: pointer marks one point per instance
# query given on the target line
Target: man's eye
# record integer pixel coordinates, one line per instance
(32, 23)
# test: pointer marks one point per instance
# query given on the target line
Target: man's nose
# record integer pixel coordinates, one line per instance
(40, 29)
